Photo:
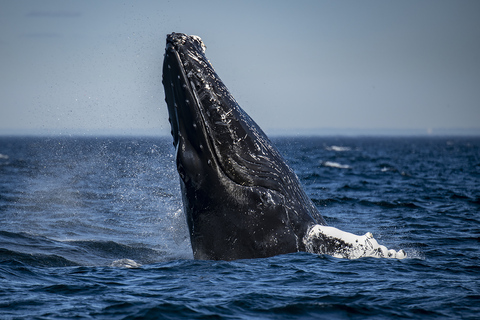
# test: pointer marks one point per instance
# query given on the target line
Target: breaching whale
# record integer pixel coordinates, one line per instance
(241, 200)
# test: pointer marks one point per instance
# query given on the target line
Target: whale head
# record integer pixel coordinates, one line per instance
(232, 177)
(207, 124)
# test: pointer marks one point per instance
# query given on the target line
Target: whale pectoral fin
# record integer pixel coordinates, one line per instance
(337, 243)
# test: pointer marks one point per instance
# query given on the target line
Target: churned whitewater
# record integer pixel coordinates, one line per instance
(93, 228)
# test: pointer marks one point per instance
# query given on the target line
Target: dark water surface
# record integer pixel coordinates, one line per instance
(76, 213)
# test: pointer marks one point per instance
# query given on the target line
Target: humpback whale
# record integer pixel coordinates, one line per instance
(241, 199)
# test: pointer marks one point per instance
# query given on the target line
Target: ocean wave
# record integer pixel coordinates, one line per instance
(389, 204)
(332, 201)
(36, 250)
(113, 251)
(35, 259)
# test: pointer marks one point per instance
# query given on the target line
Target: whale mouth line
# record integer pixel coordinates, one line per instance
(197, 106)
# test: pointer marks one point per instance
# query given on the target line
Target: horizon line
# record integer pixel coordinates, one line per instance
(271, 132)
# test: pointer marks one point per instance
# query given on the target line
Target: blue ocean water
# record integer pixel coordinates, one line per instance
(92, 228)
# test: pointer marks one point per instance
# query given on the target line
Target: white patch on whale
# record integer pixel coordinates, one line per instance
(341, 244)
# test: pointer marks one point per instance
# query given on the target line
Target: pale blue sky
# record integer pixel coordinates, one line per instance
(303, 66)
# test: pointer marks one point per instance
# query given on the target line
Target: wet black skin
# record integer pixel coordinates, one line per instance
(241, 199)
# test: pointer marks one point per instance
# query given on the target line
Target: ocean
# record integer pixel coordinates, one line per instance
(93, 228)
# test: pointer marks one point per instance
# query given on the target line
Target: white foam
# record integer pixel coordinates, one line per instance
(341, 244)
(338, 148)
(332, 164)
(3, 156)
(125, 263)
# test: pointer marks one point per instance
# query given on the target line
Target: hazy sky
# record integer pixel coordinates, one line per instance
(89, 66)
